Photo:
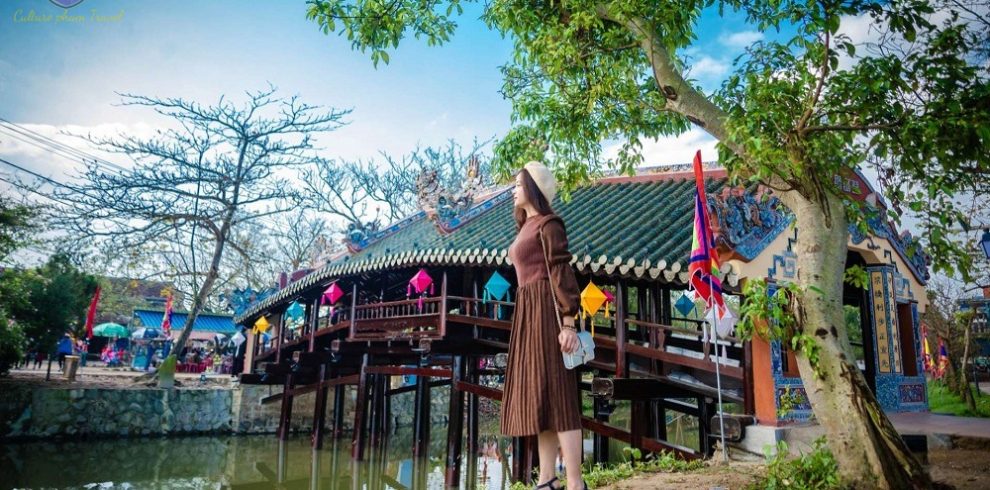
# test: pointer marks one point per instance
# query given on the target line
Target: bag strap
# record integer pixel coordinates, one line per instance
(553, 290)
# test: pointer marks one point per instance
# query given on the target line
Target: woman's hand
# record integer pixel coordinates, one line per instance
(568, 340)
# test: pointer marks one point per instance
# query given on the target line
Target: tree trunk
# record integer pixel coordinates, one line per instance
(965, 390)
(869, 452)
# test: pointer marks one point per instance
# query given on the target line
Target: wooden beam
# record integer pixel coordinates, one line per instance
(409, 371)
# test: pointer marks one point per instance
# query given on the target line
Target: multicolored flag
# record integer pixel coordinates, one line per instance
(167, 318)
(926, 350)
(703, 267)
(91, 314)
(943, 358)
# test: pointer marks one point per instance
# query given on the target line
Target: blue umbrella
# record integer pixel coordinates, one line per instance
(146, 333)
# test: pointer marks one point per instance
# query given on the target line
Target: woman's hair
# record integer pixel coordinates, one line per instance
(534, 196)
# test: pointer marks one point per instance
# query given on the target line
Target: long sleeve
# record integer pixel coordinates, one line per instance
(561, 273)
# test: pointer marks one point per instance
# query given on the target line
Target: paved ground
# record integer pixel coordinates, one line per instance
(104, 377)
(929, 423)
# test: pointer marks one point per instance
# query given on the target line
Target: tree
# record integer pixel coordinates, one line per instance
(48, 301)
(15, 220)
(373, 194)
(15, 225)
(795, 113)
(217, 169)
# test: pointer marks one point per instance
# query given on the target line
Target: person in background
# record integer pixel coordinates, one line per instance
(64, 349)
(83, 348)
(39, 356)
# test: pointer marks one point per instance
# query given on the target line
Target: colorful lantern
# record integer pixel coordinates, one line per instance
(331, 295)
(609, 300)
(684, 305)
(497, 288)
(592, 300)
(261, 325)
(419, 283)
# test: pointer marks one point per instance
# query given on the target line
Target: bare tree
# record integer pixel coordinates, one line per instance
(221, 167)
(375, 193)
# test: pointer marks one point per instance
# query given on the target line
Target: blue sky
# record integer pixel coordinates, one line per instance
(62, 76)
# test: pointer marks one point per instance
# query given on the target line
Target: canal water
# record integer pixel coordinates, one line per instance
(242, 463)
(262, 462)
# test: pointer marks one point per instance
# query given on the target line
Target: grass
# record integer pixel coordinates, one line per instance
(943, 401)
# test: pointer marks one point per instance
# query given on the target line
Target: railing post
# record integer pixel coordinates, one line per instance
(313, 319)
(443, 306)
(353, 327)
(621, 365)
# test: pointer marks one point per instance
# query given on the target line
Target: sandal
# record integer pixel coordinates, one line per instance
(548, 484)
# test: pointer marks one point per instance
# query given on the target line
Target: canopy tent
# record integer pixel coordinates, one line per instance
(207, 325)
(111, 330)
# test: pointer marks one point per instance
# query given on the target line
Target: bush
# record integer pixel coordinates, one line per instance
(815, 470)
(12, 343)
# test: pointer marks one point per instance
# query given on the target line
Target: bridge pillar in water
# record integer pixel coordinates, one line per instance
(421, 418)
(455, 425)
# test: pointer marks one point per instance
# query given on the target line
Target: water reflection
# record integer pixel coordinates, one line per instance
(244, 463)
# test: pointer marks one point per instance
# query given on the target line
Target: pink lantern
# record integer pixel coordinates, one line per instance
(419, 283)
(609, 299)
(332, 293)
(330, 296)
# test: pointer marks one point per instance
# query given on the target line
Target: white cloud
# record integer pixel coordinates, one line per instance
(708, 67)
(673, 150)
(47, 149)
(740, 40)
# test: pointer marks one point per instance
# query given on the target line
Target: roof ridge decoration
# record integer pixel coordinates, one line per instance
(360, 237)
(447, 224)
(746, 222)
(451, 209)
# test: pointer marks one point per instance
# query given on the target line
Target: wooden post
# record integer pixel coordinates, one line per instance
(313, 321)
(320, 409)
(523, 458)
(360, 418)
(599, 442)
(659, 413)
(421, 418)
(443, 306)
(704, 414)
(285, 416)
(472, 422)
(339, 392)
(279, 339)
(353, 329)
(621, 365)
(455, 425)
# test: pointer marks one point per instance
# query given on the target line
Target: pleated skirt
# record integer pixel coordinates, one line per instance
(540, 394)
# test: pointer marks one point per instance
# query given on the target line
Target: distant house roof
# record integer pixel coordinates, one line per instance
(205, 322)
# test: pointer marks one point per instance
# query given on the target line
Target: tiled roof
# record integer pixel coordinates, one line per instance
(205, 322)
(619, 227)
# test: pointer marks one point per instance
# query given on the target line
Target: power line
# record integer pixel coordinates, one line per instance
(58, 144)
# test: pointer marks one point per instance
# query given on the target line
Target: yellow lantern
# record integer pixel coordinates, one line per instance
(592, 299)
(261, 326)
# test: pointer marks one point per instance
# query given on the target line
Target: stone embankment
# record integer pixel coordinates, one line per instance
(29, 411)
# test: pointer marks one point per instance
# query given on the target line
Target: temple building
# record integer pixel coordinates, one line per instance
(435, 291)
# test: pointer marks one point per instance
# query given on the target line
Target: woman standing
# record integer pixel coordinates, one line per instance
(541, 396)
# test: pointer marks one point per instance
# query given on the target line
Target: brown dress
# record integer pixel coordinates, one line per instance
(540, 394)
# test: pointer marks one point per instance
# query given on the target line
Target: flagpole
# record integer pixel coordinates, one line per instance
(718, 373)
